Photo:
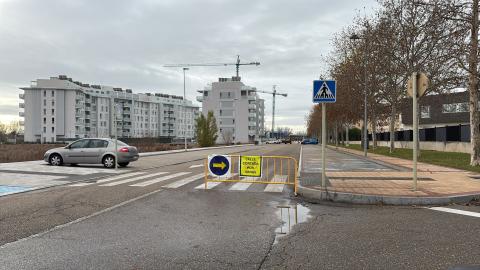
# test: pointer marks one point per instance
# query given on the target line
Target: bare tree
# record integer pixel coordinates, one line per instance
(227, 136)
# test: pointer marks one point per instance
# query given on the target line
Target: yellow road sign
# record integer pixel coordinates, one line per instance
(251, 166)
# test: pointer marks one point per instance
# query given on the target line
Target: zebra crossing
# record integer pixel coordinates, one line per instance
(175, 180)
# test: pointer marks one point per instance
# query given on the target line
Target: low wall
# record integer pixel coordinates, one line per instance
(461, 147)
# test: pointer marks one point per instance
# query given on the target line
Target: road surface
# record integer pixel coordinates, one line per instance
(156, 215)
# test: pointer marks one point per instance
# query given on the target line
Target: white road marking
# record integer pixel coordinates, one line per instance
(42, 166)
(196, 166)
(185, 181)
(300, 168)
(32, 180)
(210, 185)
(82, 184)
(132, 179)
(276, 187)
(456, 211)
(156, 180)
(240, 186)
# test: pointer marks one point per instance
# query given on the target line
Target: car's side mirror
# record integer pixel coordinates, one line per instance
(67, 147)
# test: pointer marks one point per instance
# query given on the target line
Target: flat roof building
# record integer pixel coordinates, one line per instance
(60, 109)
(238, 109)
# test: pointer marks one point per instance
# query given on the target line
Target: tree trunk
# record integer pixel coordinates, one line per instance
(473, 88)
(346, 135)
(418, 138)
(336, 134)
(392, 127)
(342, 141)
(374, 131)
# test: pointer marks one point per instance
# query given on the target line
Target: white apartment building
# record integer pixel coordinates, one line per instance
(237, 108)
(60, 109)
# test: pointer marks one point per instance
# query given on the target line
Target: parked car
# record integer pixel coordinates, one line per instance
(310, 141)
(285, 141)
(92, 151)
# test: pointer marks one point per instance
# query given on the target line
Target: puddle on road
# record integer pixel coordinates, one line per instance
(290, 215)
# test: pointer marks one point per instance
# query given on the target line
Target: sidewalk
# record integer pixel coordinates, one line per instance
(436, 184)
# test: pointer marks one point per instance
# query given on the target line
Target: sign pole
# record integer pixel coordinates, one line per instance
(324, 142)
(415, 129)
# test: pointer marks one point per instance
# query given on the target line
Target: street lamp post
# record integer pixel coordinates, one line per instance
(355, 37)
(184, 110)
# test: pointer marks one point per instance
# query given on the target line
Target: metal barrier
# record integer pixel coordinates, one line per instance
(274, 170)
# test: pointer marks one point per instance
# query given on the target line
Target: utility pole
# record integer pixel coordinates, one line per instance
(116, 135)
(273, 108)
(185, 110)
(415, 129)
(355, 37)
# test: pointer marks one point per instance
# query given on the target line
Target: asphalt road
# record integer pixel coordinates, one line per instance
(122, 226)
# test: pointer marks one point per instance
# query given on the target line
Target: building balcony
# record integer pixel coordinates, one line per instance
(252, 115)
(252, 132)
(22, 123)
(21, 96)
(21, 105)
(252, 123)
(252, 106)
(21, 114)
(200, 98)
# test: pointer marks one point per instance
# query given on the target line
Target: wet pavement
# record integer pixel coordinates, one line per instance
(122, 227)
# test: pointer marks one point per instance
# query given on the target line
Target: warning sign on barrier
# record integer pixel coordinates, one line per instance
(251, 166)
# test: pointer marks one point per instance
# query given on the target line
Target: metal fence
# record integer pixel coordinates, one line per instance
(456, 133)
(274, 170)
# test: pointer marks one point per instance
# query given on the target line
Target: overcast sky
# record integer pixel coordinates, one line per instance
(126, 43)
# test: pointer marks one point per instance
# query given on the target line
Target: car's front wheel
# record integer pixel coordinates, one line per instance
(55, 160)
(108, 161)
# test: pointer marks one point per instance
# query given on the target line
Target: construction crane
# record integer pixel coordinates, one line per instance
(237, 64)
(274, 93)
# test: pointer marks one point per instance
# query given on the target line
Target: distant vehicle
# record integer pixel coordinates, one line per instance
(92, 151)
(285, 141)
(310, 141)
(273, 142)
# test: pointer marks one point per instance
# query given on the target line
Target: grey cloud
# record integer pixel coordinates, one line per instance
(125, 43)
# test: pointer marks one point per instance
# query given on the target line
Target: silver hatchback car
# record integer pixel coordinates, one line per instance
(92, 151)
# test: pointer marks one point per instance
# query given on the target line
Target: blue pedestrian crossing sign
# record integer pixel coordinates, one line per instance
(219, 165)
(324, 91)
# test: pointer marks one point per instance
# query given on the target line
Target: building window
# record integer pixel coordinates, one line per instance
(53, 130)
(44, 93)
(44, 129)
(53, 120)
(44, 111)
(53, 103)
(53, 93)
(53, 111)
(45, 120)
(425, 112)
(455, 107)
(44, 102)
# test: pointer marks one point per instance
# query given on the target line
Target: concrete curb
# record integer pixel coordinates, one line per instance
(315, 196)
(148, 154)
